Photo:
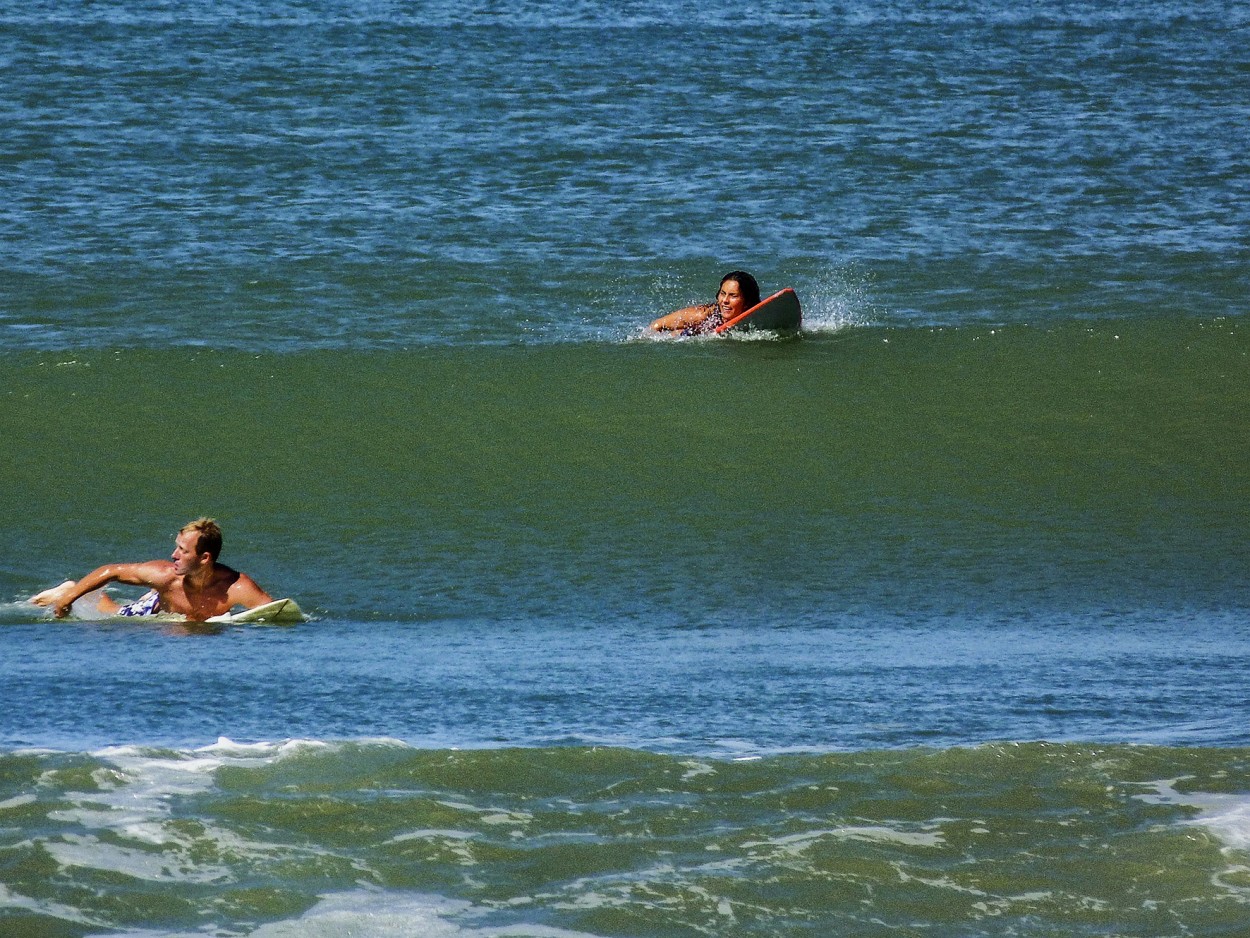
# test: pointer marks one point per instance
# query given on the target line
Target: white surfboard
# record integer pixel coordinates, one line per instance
(278, 612)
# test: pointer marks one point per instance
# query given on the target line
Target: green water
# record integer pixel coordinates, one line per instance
(1112, 452)
(1004, 839)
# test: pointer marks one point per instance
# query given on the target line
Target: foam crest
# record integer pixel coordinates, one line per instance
(373, 914)
(1227, 816)
(796, 844)
(132, 810)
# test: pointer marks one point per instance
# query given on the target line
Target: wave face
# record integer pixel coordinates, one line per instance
(987, 469)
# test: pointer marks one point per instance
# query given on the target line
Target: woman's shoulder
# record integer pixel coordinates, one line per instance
(685, 318)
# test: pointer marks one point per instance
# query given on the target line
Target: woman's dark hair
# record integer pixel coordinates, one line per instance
(746, 284)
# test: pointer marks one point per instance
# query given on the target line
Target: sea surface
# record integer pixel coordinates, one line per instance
(931, 621)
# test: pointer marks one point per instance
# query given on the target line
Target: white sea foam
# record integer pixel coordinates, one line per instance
(374, 914)
(431, 833)
(1224, 815)
(367, 913)
(490, 815)
(695, 768)
(798, 843)
(89, 852)
(891, 835)
(15, 900)
(16, 801)
(130, 811)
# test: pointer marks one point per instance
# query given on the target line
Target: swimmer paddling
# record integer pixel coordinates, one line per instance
(738, 292)
(191, 583)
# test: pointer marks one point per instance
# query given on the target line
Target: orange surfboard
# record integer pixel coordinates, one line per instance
(779, 312)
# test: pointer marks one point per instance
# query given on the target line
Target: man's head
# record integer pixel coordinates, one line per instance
(206, 537)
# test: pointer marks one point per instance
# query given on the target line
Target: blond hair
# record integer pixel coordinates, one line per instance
(208, 537)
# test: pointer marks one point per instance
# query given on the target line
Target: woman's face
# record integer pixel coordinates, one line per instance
(730, 300)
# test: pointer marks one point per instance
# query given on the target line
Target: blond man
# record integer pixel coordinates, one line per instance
(191, 583)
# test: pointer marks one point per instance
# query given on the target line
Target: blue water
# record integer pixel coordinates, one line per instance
(929, 620)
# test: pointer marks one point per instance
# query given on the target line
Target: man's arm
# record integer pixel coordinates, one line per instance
(153, 573)
(247, 593)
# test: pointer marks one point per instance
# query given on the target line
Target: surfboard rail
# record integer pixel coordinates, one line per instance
(278, 612)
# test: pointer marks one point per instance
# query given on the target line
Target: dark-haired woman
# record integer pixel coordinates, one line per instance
(738, 292)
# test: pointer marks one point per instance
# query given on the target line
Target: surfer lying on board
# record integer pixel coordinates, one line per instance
(738, 292)
(192, 582)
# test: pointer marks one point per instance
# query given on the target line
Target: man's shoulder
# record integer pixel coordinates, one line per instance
(231, 577)
(151, 568)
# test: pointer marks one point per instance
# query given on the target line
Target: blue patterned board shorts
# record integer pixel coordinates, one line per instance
(149, 604)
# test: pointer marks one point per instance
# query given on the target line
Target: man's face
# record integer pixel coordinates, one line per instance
(185, 559)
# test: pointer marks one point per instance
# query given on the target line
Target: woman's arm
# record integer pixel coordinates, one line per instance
(684, 318)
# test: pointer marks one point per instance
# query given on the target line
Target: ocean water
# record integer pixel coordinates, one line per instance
(932, 620)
